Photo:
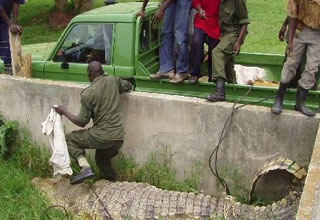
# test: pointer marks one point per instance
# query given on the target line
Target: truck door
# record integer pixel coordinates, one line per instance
(147, 46)
(81, 44)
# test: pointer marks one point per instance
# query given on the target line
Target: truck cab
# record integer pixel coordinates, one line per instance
(128, 47)
(108, 34)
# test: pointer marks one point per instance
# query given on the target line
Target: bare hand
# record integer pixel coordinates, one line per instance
(202, 14)
(290, 49)
(60, 109)
(158, 16)
(141, 14)
(282, 32)
(236, 48)
(14, 28)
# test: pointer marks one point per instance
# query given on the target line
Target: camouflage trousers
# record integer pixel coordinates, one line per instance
(222, 58)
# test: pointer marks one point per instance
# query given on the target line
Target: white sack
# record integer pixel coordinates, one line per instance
(60, 159)
(248, 75)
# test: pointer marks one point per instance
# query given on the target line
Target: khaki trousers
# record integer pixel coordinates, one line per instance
(306, 42)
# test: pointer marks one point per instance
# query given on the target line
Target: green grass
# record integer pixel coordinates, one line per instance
(19, 200)
(266, 17)
(34, 17)
(157, 171)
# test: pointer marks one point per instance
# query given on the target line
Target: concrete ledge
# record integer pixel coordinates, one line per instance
(189, 127)
(309, 207)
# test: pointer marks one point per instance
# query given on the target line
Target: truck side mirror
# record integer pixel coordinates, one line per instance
(64, 64)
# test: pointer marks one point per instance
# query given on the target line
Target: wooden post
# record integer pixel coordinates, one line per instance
(21, 65)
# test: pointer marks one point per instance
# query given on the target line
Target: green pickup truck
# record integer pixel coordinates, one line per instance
(128, 47)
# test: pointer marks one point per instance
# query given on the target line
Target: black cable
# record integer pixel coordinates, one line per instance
(101, 203)
(224, 133)
(55, 206)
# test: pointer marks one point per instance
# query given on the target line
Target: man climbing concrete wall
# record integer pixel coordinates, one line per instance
(101, 102)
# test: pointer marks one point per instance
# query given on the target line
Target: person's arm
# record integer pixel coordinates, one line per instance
(293, 13)
(84, 116)
(12, 26)
(198, 7)
(15, 12)
(141, 12)
(4, 16)
(74, 119)
(237, 45)
(160, 12)
(293, 22)
(242, 13)
(283, 29)
(15, 28)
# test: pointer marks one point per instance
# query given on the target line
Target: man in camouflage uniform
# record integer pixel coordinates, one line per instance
(101, 102)
(233, 20)
(304, 36)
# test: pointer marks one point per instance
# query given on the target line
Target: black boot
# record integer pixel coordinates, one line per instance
(278, 103)
(220, 94)
(300, 106)
(85, 173)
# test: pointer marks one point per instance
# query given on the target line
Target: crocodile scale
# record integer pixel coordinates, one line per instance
(130, 200)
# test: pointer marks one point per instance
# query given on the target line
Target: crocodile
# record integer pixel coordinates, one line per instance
(130, 200)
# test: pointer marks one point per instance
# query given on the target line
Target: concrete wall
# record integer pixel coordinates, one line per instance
(310, 201)
(189, 127)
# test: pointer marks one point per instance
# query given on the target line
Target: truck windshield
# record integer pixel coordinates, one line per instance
(87, 42)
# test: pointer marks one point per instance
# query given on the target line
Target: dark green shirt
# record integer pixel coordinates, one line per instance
(232, 14)
(101, 102)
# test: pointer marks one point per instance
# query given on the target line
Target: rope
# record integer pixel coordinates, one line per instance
(101, 203)
(54, 206)
(224, 132)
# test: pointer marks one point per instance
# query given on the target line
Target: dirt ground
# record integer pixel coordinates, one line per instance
(59, 19)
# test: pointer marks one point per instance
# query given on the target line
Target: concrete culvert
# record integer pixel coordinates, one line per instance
(274, 186)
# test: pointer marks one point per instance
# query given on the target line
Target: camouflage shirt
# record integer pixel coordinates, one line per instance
(306, 11)
(232, 14)
(101, 102)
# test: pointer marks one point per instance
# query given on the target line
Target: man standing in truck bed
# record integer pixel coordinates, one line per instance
(101, 102)
(304, 35)
(233, 20)
(206, 29)
(8, 7)
(174, 30)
